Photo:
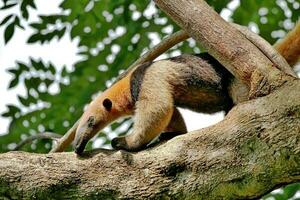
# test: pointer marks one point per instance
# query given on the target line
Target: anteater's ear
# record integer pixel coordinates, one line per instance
(107, 104)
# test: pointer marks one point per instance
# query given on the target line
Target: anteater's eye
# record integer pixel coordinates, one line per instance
(107, 104)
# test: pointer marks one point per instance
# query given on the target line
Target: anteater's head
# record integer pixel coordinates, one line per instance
(114, 103)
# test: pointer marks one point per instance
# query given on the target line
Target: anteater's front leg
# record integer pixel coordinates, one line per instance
(151, 118)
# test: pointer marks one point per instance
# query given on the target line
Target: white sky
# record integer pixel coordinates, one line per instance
(58, 52)
(62, 52)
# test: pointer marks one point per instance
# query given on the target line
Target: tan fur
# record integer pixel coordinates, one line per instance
(187, 81)
(153, 110)
(289, 46)
(164, 82)
(119, 94)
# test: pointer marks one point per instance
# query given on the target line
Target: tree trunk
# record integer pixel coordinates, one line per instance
(252, 151)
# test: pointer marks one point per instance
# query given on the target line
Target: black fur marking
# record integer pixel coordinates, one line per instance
(136, 80)
(80, 148)
(178, 59)
(91, 122)
(220, 69)
(168, 135)
(107, 104)
(193, 80)
(207, 82)
(226, 78)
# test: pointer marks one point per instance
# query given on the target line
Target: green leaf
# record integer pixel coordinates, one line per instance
(38, 65)
(12, 110)
(45, 37)
(9, 31)
(24, 101)
(13, 83)
(32, 4)
(6, 19)
(52, 68)
(24, 10)
(218, 5)
(17, 22)
(24, 7)
(291, 190)
(12, 71)
(22, 67)
(8, 6)
(38, 26)
(34, 38)
(64, 71)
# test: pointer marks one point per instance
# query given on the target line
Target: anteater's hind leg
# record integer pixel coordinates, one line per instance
(175, 127)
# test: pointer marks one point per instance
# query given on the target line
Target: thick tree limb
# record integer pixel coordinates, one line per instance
(253, 150)
(268, 50)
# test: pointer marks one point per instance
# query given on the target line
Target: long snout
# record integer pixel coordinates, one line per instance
(85, 131)
(79, 147)
(80, 140)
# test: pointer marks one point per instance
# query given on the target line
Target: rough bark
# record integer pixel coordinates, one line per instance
(253, 150)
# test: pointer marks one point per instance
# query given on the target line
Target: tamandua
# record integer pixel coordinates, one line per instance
(151, 92)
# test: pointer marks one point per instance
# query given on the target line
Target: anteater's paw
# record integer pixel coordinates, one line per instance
(119, 143)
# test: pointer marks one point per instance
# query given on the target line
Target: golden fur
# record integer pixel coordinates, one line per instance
(289, 46)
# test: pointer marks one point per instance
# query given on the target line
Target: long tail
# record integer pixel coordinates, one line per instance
(289, 46)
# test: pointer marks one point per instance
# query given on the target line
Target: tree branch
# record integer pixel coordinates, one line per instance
(254, 149)
(268, 50)
(45, 135)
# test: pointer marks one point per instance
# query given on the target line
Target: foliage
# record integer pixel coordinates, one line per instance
(288, 192)
(112, 35)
